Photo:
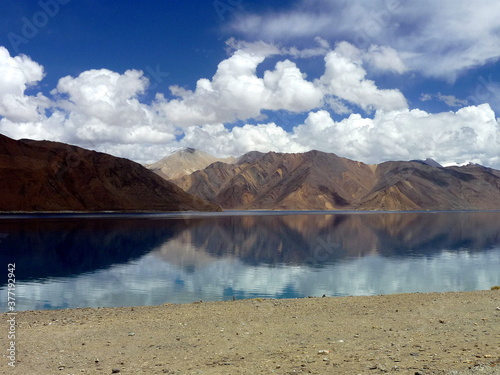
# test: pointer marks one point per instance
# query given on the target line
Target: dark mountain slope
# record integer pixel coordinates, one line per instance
(51, 176)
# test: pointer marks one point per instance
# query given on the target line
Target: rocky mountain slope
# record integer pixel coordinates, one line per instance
(414, 186)
(323, 181)
(184, 162)
(51, 176)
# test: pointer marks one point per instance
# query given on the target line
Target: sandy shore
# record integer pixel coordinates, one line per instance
(436, 333)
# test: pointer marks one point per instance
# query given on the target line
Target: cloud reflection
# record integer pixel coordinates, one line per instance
(274, 256)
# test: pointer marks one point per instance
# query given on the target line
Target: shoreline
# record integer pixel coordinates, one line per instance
(426, 333)
(227, 212)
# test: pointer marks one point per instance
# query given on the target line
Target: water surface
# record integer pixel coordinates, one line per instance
(66, 261)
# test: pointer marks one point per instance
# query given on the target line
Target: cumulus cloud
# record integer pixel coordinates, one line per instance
(385, 58)
(97, 107)
(468, 31)
(220, 141)
(289, 89)
(16, 75)
(235, 92)
(102, 110)
(471, 134)
(346, 78)
(103, 106)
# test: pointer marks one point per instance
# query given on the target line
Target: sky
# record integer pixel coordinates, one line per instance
(368, 80)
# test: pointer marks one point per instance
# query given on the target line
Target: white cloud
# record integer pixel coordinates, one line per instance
(437, 38)
(101, 109)
(16, 75)
(345, 78)
(337, 105)
(424, 97)
(237, 93)
(104, 99)
(385, 58)
(49, 128)
(97, 107)
(449, 100)
(471, 134)
(321, 50)
(220, 141)
(290, 90)
(258, 48)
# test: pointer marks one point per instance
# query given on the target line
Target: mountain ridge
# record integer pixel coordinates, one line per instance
(317, 180)
(50, 176)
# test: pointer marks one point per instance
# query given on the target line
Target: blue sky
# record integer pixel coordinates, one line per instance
(369, 80)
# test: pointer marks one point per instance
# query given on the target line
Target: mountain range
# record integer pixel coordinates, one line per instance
(316, 180)
(51, 176)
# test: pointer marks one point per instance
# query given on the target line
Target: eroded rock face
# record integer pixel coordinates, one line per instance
(323, 181)
(51, 176)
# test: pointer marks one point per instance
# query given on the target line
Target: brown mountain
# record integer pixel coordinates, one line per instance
(51, 176)
(322, 181)
(312, 180)
(415, 186)
(183, 162)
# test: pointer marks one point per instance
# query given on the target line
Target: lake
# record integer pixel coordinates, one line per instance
(69, 261)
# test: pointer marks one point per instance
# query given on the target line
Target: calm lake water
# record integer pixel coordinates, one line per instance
(129, 260)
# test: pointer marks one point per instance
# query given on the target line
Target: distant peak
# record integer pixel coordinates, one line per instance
(430, 162)
(188, 150)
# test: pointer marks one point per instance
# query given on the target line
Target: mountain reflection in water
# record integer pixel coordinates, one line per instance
(318, 240)
(153, 259)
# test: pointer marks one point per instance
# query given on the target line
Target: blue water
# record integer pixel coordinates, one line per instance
(68, 261)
